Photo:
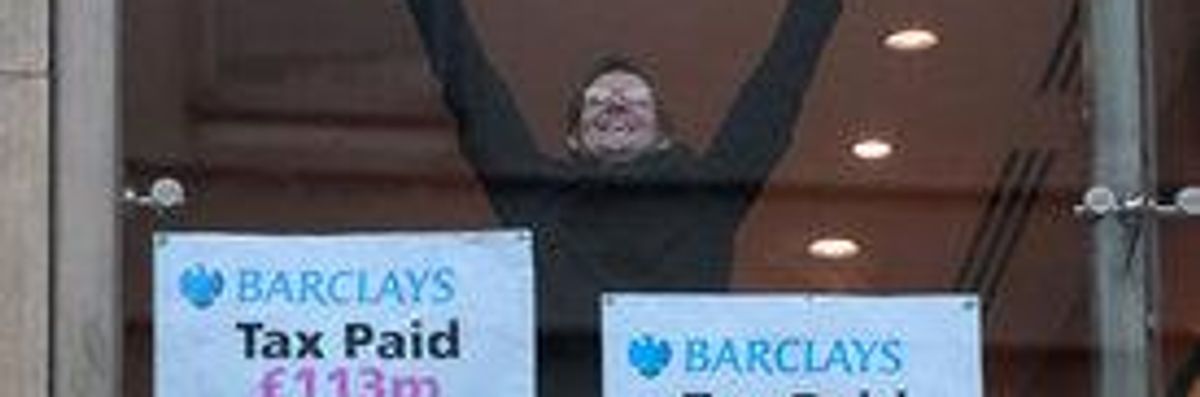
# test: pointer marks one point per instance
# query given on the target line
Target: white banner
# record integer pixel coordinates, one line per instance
(388, 315)
(685, 345)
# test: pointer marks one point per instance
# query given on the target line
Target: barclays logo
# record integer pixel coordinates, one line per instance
(200, 286)
(649, 356)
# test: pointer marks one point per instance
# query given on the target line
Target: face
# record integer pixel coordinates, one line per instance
(618, 120)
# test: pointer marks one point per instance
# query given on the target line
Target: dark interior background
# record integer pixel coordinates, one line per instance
(319, 115)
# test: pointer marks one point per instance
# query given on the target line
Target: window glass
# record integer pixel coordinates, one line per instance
(894, 147)
(1176, 59)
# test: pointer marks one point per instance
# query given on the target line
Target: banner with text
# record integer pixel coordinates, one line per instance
(422, 314)
(704, 345)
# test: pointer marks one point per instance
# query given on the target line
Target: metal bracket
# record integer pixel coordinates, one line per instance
(166, 193)
(1102, 201)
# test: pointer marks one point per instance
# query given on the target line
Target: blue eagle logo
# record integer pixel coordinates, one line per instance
(649, 356)
(201, 286)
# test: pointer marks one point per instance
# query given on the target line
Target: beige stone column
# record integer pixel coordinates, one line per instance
(86, 311)
(24, 198)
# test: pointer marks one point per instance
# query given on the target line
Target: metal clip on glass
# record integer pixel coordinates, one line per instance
(165, 194)
(1101, 201)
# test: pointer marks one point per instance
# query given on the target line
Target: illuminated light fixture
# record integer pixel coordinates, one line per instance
(834, 248)
(873, 149)
(910, 40)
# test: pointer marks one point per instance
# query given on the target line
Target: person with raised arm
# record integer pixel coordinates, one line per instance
(631, 209)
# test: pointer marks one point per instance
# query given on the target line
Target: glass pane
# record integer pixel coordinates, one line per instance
(951, 168)
(1176, 57)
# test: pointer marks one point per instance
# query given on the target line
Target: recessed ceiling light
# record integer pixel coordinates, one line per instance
(873, 149)
(834, 248)
(911, 40)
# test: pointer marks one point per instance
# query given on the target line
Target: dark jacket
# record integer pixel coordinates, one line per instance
(665, 221)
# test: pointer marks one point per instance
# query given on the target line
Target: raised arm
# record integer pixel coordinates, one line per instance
(757, 130)
(493, 135)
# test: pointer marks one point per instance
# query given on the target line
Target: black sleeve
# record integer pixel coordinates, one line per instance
(493, 135)
(757, 130)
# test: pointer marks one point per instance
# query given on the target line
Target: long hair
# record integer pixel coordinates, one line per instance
(605, 65)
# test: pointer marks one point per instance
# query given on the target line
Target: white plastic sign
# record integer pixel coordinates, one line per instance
(387, 315)
(683, 345)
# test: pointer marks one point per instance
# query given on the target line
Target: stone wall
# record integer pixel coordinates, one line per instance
(24, 197)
